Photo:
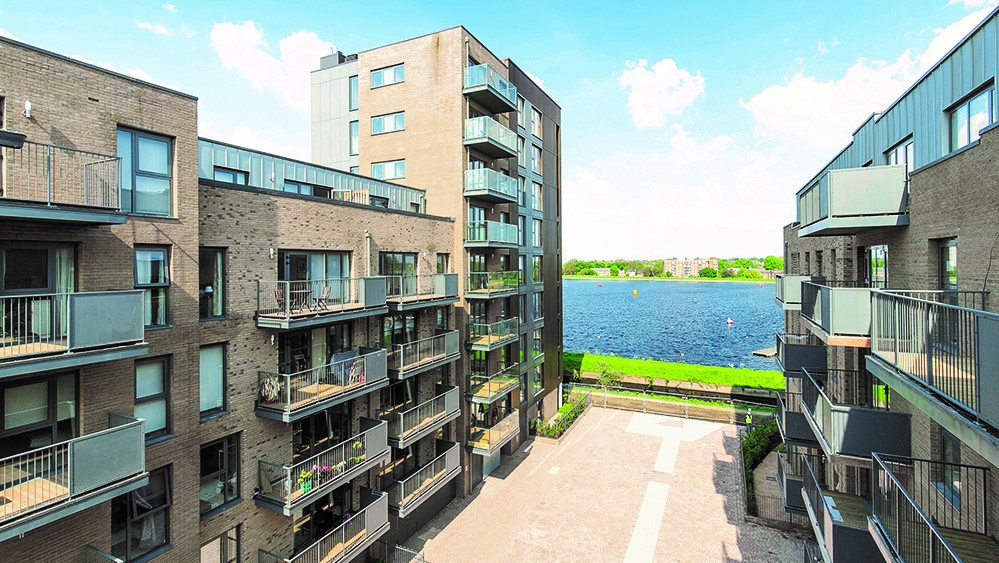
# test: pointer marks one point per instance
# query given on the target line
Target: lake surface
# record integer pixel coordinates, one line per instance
(672, 320)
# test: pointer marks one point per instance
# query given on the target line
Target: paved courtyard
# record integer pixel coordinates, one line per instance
(622, 486)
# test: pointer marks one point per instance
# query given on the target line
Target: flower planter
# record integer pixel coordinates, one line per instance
(12, 139)
(305, 487)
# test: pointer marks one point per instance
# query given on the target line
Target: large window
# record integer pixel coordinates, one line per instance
(387, 75)
(537, 197)
(140, 520)
(388, 123)
(536, 238)
(522, 230)
(146, 173)
(352, 93)
(388, 170)
(152, 396)
(536, 159)
(223, 549)
(522, 191)
(354, 139)
(37, 412)
(219, 473)
(968, 119)
(211, 283)
(901, 153)
(520, 108)
(537, 274)
(536, 122)
(400, 269)
(521, 154)
(538, 303)
(152, 273)
(212, 379)
(229, 175)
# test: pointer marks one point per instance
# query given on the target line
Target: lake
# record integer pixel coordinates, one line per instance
(673, 321)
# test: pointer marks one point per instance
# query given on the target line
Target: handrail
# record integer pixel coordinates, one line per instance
(292, 391)
(403, 423)
(405, 355)
(401, 490)
(51, 175)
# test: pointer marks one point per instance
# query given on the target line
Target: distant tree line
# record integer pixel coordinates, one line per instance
(746, 268)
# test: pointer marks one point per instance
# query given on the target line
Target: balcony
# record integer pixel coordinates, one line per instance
(487, 87)
(788, 290)
(489, 285)
(486, 390)
(852, 200)
(489, 185)
(490, 234)
(63, 330)
(797, 351)
(290, 397)
(410, 490)
(44, 485)
(930, 511)
(791, 473)
(940, 340)
(408, 423)
(287, 488)
(839, 313)
(490, 137)
(848, 413)
(490, 336)
(839, 521)
(406, 360)
(405, 293)
(50, 183)
(310, 303)
(790, 418)
(347, 541)
(486, 441)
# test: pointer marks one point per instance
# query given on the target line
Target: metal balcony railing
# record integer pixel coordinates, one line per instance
(402, 425)
(942, 339)
(67, 322)
(57, 175)
(326, 383)
(426, 350)
(850, 200)
(797, 351)
(812, 489)
(490, 232)
(419, 287)
(489, 284)
(489, 438)
(915, 499)
(486, 389)
(494, 331)
(64, 471)
(486, 75)
(285, 299)
(402, 493)
(344, 541)
(788, 288)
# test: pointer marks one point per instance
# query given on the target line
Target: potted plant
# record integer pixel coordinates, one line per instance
(305, 478)
(270, 389)
(11, 139)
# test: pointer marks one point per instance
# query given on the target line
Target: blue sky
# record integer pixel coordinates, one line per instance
(687, 127)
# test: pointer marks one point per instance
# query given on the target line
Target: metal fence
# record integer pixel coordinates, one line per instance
(673, 404)
(57, 175)
(293, 391)
(402, 356)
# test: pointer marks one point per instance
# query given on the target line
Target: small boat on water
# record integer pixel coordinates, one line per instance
(729, 321)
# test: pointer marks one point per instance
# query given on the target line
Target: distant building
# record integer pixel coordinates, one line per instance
(688, 267)
(601, 271)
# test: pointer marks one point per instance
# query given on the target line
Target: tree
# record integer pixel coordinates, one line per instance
(587, 272)
(708, 273)
(773, 263)
(669, 274)
(729, 273)
(614, 271)
(750, 274)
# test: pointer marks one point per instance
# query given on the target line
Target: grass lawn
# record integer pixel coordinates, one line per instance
(760, 379)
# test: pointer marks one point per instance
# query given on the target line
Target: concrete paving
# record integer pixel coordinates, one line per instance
(622, 486)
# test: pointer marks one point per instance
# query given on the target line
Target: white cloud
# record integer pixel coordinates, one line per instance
(945, 38)
(658, 92)
(157, 28)
(823, 47)
(242, 47)
(244, 136)
(170, 8)
(187, 31)
(537, 79)
(8, 35)
(973, 3)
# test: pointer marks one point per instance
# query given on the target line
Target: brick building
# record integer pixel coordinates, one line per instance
(688, 267)
(889, 411)
(212, 352)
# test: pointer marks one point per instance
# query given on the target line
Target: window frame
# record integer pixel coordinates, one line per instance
(352, 93)
(228, 442)
(397, 70)
(537, 238)
(227, 540)
(386, 119)
(164, 395)
(132, 520)
(536, 126)
(354, 138)
(135, 172)
(212, 412)
(537, 196)
(537, 268)
(396, 164)
(163, 286)
(239, 177)
(218, 290)
(536, 158)
(965, 105)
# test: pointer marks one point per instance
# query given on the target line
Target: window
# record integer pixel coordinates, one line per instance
(539, 384)
(537, 197)
(521, 154)
(388, 170)
(950, 474)
(521, 102)
(387, 75)
(523, 309)
(536, 347)
(538, 301)
(536, 122)
(901, 154)
(223, 549)
(352, 93)
(536, 269)
(297, 188)
(152, 273)
(37, 412)
(152, 396)
(968, 118)
(443, 263)
(388, 123)
(536, 238)
(522, 230)
(523, 191)
(211, 282)
(523, 267)
(443, 319)
(219, 473)
(212, 379)
(140, 520)
(146, 173)
(355, 169)
(536, 159)
(354, 138)
(231, 176)
(400, 271)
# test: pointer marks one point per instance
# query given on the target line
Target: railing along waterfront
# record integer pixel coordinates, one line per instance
(57, 175)
(914, 498)
(402, 492)
(407, 355)
(943, 339)
(404, 423)
(293, 391)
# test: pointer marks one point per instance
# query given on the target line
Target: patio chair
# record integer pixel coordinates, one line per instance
(279, 297)
(320, 304)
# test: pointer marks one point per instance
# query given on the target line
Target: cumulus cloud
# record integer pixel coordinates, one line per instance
(659, 91)
(157, 28)
(187, 31)
(170, 8)
(973, 3)
(241, 47)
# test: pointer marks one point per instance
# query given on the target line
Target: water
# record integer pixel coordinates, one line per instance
(672, 321)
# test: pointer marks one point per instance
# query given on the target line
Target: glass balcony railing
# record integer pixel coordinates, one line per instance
(486, 285)
(490, 185)
(489, 233)
(490, 137)
(788, 290)
(486, 85)
(842, 309)
(413, 289)
(427, 352)
(490, 335)
(486, 389)
(485, 440)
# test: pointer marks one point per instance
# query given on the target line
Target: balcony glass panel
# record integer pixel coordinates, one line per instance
(490, 232)
(491, 284)
(486, 75)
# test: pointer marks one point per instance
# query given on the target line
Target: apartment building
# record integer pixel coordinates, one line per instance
(688, 267)
(443, 113)
(889, 416)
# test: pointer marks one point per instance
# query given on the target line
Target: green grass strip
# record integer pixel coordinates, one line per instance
(743, 377)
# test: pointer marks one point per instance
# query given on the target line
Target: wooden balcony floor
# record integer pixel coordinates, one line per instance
(418, 363)
(10, 348)
(852, 510)
(307, 311)
(489, 340)
(30, 495)
(428, 482)
(416, 298)
(485, 391)
(336, 553)
(312, 394)
(478, 438)
(948, 372)
(973, 548)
